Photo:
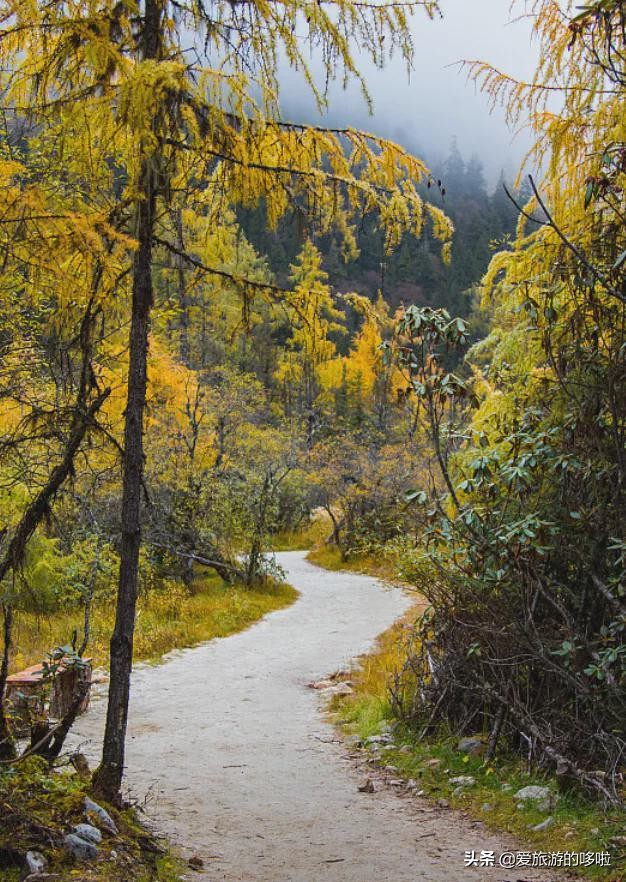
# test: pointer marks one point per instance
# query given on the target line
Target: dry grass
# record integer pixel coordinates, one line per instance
(165, 620)
(311, 535)
(328, 557)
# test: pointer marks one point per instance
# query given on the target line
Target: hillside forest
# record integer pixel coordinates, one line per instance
(221, 329)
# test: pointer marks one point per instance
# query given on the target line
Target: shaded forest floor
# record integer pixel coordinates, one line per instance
(37, 809)
(577, 825)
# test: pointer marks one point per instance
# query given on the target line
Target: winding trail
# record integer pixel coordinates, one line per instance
(237, 764)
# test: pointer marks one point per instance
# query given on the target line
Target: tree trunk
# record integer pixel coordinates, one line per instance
(252, 570)
(108, 777)
(51, 747)
(7, 746)
(213, 558)
(183, 302)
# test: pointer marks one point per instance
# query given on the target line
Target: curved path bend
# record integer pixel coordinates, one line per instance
(236, 764)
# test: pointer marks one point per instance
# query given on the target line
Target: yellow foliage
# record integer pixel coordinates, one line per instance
(577, 117)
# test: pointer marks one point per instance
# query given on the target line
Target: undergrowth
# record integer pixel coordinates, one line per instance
(39, 807)
(329, 557)
(302, 539)
(165, 620)
(579, 824)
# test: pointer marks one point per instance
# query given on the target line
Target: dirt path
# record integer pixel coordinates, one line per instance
(238, 766)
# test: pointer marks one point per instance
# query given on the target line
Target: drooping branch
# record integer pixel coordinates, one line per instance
(282, 295)
(223, 568)
(84, 411)
(242, 281)
(522, 211)
(38, 508)
(598, 275)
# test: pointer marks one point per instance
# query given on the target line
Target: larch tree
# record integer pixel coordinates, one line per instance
(60, 257)
(315, 318)
(161, 102)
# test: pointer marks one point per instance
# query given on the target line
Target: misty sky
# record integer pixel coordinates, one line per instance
(438, 104)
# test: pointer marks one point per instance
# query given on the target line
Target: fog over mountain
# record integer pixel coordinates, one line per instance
(436, 104)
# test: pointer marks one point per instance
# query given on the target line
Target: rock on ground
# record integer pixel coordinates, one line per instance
(80, 849)
(92, 809)
(34, 863)
(88, 832)
(542, 797)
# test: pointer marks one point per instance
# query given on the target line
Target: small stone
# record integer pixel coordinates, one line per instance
(473, 746)
(458, 790)
(353, 741)
(463, 781)
(34, 863)
(544, 825)
(533, 791)
(432, 763)
(79, 848)
(321, 684)
(569, 835)
(385, 738)
(541, 796)
(196, 862)
(340, 689)
(486, 807)
(506, 787)
(92, 808)
(405, 749)
(443, 803)
(367, 787)
(88, 832)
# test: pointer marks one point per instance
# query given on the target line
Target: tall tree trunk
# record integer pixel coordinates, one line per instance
(108, 777)
(252, 570)
(7, 746)
(183, 300)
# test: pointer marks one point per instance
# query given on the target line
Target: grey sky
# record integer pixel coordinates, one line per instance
(438, 104)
